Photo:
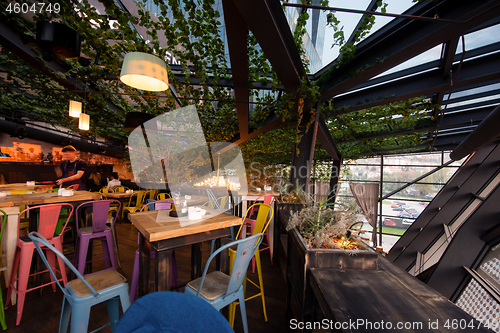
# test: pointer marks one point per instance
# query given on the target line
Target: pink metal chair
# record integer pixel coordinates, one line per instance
(174, 278)
(46, 225)
(98, 230)
(268, 200)
(74, 187)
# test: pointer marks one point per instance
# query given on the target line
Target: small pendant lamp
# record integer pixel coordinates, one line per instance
(84, 122)
(144, 71)
(75, 108)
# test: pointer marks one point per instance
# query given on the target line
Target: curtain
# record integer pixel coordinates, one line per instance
(366, 196)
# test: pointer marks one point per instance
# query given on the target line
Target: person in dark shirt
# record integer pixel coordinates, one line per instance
(72, 169)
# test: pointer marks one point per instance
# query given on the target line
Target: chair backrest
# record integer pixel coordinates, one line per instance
(104, 190)
(100, 209)
(120, 189)
(139, 197)
(268, 200)
(262, 221)
(244, 253)
(163, 196)
(157, 205)
(212, 200)
(74, 187)
(38, 239)
(222, 202)
(152, 194)
(48, 218)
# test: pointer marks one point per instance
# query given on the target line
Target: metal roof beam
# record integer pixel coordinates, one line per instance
(12, 41)
(472, 72)
(403, 40)
(237, 32)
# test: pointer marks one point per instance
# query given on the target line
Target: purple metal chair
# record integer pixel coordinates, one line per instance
(99, 229)
(174, 278)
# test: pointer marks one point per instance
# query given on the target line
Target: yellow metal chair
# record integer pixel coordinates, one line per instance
(113, 208)
(134, 206)
(20, 192)
(121, 189)
(104, 190)
(221, 203)
(24, 224)
(163, 196)
(264, 216)
(151, 195)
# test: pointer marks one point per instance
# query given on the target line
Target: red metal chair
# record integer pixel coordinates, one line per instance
(46, 225)
(268, 200)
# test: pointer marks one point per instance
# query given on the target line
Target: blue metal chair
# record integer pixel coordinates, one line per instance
(222, 289)
(82, 293)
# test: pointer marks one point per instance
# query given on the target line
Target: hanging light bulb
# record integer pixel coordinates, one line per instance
(84, 122)
(75, 108)
(144, 71)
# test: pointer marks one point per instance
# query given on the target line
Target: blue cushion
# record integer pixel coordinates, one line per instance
(172, 312)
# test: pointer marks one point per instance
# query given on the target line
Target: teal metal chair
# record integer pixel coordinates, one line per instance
(3, 221)
(222, 289)
(83, 293)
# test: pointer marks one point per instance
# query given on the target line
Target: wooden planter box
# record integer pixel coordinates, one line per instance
(300, 260)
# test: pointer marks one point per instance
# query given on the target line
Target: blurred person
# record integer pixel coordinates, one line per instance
(114, 182)
(71, 169)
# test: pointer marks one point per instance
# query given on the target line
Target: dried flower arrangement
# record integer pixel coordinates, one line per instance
(322, 226)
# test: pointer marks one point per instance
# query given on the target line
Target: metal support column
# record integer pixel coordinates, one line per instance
(380, 203)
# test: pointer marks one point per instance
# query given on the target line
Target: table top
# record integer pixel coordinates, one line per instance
(46, 198)
(387, 294)
(195, 200)
(253, 193)
(119, 195)
(146, 223)
(23, 186)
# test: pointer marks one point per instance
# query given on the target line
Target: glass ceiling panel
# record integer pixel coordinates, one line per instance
(480, 38)
(422, 58)
(469, 92)
(350, 20)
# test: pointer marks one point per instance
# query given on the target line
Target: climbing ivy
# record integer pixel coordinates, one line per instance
(190, 30)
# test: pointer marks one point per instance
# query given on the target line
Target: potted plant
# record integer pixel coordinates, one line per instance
(321, 235)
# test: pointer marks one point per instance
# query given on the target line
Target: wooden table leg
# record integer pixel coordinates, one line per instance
(224, 257)
(162, 270)
(195, 261)
(218, 257)
(144, 265)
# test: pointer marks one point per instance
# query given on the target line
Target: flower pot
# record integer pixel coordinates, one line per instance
(300, 260)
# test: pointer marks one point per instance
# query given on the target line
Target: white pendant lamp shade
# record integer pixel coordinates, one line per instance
(144, 71)
(75, 108)
(84, 122)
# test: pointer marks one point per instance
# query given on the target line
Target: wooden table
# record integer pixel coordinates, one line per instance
(123, 197)
(24, 187)
(11, 205)
(388, 294)
(164, 236)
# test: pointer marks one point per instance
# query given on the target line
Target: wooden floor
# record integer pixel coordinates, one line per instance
(42, 309)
